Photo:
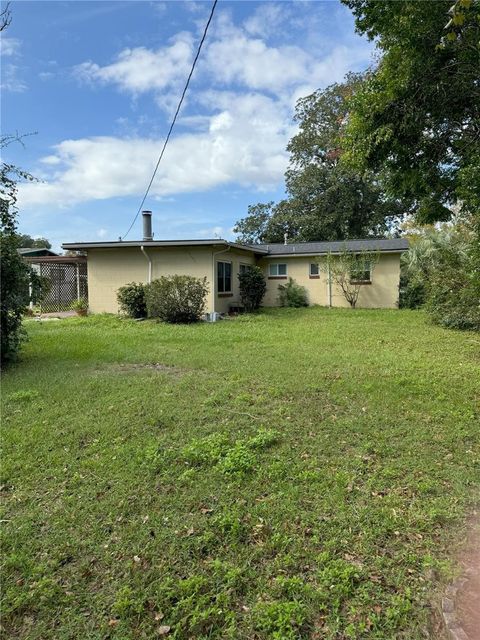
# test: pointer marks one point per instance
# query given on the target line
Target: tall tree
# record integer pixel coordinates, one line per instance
(416, 117)
(326, 200)
(28, 242)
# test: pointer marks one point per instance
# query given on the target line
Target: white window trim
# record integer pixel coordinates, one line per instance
(277, 275)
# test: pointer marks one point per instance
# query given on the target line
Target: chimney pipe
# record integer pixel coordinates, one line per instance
(285, 238)
(147, 226)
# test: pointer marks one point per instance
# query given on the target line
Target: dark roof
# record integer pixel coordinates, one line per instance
(295, 248)
(55, 259)
(36, 251)
(80, 246)
(319, 248)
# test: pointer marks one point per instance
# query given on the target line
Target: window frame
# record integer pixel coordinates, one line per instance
(243, 266)
(356, 280)
(223, 278)
(277, 276)
(316, 275)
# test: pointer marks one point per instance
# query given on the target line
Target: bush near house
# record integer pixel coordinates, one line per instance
(441, 272)
(252, 287)
(131, 299)
(453, 298)
(176, 299)
(292, 294)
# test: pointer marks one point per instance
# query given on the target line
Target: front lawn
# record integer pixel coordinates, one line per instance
(296, 474)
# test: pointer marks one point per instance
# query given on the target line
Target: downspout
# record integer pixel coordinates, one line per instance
(329, 286)
(214, 275)
(142, 249)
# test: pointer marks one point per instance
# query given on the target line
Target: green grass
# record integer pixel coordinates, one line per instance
(296, 474)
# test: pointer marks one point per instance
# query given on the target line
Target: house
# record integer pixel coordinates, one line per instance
(114, 264)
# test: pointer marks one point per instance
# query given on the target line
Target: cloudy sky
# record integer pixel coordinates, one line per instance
(98, 82)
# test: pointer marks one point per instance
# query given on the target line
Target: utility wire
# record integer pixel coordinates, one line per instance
(174, 117)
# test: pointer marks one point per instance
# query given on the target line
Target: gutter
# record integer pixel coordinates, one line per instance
(333, 253)
(142, 249)
(214, 278)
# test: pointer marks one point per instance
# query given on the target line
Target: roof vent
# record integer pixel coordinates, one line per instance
(147, 226)
(285, 238)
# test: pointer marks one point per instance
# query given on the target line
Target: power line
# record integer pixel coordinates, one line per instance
(174, 117)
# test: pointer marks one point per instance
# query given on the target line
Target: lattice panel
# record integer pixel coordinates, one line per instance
(67, 283)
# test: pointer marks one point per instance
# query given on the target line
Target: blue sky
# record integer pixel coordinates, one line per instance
(99, 81)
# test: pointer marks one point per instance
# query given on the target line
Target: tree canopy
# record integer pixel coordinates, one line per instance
(326, 199)
(28, 242)
(416, 116)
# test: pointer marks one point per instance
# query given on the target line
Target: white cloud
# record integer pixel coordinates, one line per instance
(267, 19)
(11, 80)
(50, 160)
(244, 144)
(139, 70)
(46, 75)
(234, 56)
(238, 129)
(9, 46)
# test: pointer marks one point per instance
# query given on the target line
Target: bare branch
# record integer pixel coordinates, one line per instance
(5, 17)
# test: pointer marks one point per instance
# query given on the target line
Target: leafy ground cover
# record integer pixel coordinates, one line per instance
(297, 474)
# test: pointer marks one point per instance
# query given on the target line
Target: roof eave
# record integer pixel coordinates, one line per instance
(297, 254)
(83, 246)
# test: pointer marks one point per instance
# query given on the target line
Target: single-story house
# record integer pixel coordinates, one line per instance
(113, 264)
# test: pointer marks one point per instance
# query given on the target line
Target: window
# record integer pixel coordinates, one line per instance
(243, 268)
(224, 277)
(277, 270)
(314, 270)
(362, 274)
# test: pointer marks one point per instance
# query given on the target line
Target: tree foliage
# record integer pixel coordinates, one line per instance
(16, 275)
(416, 116)
(26, 241)
(350, 271)
(326, 199)
(252, 287)
(441, 271)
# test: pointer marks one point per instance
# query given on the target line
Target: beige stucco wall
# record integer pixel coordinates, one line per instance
(109, 269)
(381, 293)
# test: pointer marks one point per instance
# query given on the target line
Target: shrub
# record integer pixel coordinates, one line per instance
(412, 291)
(131, 299)
(453, 298)
(80, 306)
(252, 288)
(176, 298)
(17, 278)
(292, 294)
(442, 271)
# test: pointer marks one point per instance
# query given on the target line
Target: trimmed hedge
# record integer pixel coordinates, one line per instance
(176, 299)
(131, 299)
